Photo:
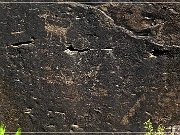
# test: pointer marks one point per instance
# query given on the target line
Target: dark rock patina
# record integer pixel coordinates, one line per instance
(89, 67)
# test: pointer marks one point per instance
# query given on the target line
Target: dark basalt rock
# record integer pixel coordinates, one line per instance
(89, 68)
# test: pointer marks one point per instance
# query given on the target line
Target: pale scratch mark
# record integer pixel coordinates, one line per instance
(68, 80)
(17, 32)
(54, 29)
(69, 52)
(132, 111)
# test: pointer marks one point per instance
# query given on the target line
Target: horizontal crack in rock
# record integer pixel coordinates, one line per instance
(23, 43)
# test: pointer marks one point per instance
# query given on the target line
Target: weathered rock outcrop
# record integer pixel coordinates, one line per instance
(89, 67)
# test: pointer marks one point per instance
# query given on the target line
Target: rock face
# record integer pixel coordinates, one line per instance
(89, 67)
(176, 129)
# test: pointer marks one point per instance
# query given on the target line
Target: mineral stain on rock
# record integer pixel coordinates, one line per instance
(77, 67)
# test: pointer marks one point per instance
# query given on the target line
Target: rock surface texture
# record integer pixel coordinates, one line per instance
(89, 67)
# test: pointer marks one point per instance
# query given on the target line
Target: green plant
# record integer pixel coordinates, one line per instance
(150, 130)
(3, 129)
(160, 130)
(18, 132)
